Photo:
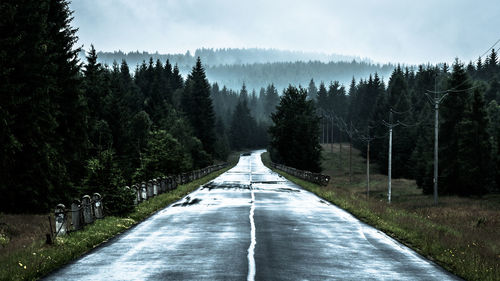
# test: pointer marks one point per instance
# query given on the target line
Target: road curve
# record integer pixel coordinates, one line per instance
(252, 224)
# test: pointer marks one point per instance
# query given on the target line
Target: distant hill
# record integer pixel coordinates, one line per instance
(260, 67)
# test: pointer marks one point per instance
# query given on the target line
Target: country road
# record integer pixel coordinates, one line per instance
(252, 224)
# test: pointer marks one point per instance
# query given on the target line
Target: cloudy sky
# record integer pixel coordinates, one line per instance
(417, 31)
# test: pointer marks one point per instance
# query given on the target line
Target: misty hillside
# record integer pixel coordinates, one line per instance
(260, 67)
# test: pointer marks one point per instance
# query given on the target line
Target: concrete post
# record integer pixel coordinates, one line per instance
(155, 187)
(137, 192)
(87, 209)
(163, 184)
(97, 204)
(144, 193)
(76, 214)
(60, 219)
(149, 188)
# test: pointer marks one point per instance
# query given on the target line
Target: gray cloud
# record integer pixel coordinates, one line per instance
(397, 31)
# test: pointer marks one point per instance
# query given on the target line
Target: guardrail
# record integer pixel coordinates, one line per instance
(316, 178)
(87, 210)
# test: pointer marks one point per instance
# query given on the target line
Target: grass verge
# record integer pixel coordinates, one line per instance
(460, 234)
(38, 259)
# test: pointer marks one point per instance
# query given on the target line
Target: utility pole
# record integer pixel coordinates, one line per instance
(436, 139)
(390, 155)
(323, 127)
(350, 152)
(368, 164)
(436, 101)
(391, 126)
(327, 140)
(332, 136)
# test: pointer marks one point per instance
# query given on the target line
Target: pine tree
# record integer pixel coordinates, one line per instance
(312, 91)
(242, 127)
(473, 157)
(43, 127)
(197, 104)
(322, 97)
(494, 132)
(272, 99)
(452, 114)
(295, 132)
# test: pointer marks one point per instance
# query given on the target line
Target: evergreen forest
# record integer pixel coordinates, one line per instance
(71, 126)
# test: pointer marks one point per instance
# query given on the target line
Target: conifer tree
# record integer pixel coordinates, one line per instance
(197, 105)
(242, 127)
(295, 132)
(474, 148)
(312, 91)
(451, 114)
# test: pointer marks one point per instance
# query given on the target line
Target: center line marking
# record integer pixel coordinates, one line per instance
(253, 241)
(251, 249)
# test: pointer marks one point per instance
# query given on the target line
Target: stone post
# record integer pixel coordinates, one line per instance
(60, 219)
(97, 204)
(163, 184)
(76, 214)
(137, 192)
(149, 187)
(144, 193)
(155, 187)
(87, 209)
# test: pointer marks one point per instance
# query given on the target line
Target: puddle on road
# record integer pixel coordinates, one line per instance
(284, 189)
(188, 202)
(267, 182)
(226, 185)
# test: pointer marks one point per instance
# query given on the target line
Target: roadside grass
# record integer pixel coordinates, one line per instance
(37, 259)
(460, 234)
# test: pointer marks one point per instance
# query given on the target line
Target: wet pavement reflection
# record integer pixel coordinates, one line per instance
(252, 224)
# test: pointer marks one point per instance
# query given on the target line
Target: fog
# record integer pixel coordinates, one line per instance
(384, 31)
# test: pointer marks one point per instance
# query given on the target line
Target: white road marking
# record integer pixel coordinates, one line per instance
(251, 249)
(253, 241)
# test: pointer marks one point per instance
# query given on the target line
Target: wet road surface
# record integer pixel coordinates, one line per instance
(252, 224)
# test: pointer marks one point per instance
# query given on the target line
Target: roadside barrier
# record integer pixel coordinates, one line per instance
(90, 208)
(305, 175)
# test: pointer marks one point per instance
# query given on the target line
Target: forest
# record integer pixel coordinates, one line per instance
(70, 127)
(260, 67)
(469, 122)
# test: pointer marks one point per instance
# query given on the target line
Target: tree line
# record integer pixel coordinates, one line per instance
(222, 56)
(259, 67)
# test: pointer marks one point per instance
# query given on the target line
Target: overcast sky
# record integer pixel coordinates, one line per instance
(417, 31)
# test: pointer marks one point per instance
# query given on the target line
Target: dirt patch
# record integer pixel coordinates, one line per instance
(20, 231)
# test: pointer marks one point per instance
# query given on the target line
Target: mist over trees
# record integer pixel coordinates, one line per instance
(260, 67)
(224, 56)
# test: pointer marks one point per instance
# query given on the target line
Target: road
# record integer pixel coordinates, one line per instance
(252, 224)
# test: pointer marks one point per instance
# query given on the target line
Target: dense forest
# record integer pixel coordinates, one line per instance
(469, 122)
(71, 127)
(260, 67)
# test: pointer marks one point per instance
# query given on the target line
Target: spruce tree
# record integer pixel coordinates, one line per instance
(312, 91)
(474, 148)
(295, 132)
(242, 128)
(451, 115)
(197, 105)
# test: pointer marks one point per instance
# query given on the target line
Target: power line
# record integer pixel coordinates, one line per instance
(487, 51)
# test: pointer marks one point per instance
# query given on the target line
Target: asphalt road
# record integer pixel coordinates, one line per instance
(252, 224)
